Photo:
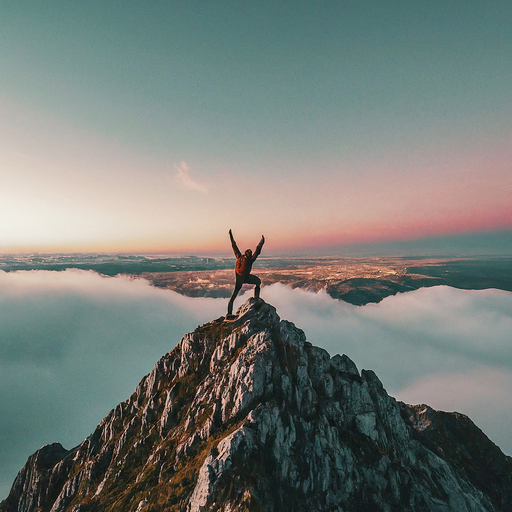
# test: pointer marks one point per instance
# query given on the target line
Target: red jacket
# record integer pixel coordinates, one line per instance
(244, 261)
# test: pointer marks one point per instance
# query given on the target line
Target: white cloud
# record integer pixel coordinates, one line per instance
(184, 179)
(74, 344)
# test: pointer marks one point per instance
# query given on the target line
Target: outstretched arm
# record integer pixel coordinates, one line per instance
(258, 248)
(236, 250)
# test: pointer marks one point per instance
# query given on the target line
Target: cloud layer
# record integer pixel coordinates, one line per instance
(74, 344)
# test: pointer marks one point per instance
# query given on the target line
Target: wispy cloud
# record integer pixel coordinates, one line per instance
(184, 179)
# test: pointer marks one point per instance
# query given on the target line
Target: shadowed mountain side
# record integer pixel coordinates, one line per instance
(246, 415)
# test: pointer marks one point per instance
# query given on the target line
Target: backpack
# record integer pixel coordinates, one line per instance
(243, 265)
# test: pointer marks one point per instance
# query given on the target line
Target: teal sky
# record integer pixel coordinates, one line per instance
(160, 125)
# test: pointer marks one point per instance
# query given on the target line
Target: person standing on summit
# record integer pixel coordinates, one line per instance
(243, 270)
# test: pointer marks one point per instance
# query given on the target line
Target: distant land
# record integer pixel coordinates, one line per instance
(355, 280)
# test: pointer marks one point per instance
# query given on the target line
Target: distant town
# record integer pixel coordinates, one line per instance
(354, 280)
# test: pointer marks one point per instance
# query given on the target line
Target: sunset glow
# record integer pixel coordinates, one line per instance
(164, 139)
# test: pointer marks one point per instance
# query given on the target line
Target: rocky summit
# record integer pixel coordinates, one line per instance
(246, 415)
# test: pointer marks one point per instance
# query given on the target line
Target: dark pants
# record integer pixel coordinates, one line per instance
(240, 280)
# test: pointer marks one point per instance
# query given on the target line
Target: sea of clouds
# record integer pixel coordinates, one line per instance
(74, 344)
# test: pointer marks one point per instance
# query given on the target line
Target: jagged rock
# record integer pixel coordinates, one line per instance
(246, 415)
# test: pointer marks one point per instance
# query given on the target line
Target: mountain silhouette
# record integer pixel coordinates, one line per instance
(246, 415)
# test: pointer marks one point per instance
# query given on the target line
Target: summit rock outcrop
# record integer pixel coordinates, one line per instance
(246, 415)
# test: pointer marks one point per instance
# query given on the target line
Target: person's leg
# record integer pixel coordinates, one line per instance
(238, 285)
(252, 279)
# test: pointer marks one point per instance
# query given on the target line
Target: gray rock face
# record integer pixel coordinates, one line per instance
(246, 415)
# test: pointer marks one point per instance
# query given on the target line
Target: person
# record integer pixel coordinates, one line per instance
(243, 269)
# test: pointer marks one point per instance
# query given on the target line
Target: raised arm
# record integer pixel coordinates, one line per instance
(258, 248)
(236, 250)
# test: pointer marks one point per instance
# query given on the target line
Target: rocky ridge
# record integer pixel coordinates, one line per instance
(246, 415)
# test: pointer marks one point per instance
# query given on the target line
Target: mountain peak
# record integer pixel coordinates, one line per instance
(245, 414)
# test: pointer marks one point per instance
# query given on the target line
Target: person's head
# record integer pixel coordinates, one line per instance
(248, 253)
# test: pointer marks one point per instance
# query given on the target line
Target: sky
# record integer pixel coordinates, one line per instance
(74, 344)
(135, 126)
